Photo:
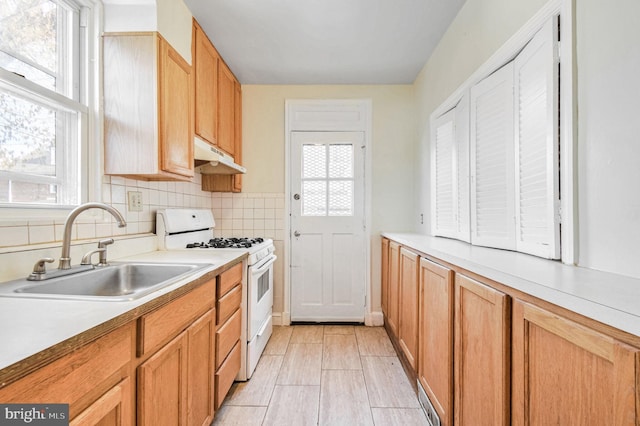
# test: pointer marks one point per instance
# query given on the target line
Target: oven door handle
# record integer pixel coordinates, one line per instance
(266, 265)
(263, 328)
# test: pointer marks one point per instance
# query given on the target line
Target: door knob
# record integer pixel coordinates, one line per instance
(296, 196)
(296, 234)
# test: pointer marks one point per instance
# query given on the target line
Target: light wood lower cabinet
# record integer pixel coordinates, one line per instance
(394, 288)
(93, 380)
(408, 310)
(175, 385)
(481, 354)
(162, 385)
(435, 337)
(565, 373)
(111, 409)
(384, 278)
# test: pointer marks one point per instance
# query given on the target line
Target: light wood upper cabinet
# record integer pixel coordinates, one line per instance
(384, 277)
(226, 109)
(481, 354)
(394, 287)
(435, 337)
(565, 373)
(205, 65)
(408, 326)
(237, 135)
(148, 108)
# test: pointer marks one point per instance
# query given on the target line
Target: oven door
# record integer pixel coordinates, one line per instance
(260, 295)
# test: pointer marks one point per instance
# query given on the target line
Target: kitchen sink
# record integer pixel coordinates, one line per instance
(116, 282)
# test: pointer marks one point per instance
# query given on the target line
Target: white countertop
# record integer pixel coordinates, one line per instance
(29, 326)
(605, 297)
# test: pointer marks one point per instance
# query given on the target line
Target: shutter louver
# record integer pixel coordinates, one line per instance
(461, 157)
(536, 134)
(492, 161)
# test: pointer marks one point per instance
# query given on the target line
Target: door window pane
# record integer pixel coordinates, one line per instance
(314, 198)
(341, 198)
(341, 161)
(314, 161)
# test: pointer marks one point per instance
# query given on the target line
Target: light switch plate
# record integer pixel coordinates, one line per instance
(135, 201)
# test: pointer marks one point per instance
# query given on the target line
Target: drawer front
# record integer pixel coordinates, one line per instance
(166, 322)
(226, 374)
(227, 336)
(228, 304)
(93, 368)
(229, 279)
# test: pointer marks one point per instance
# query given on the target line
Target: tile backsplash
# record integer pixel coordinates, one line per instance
(242, 214)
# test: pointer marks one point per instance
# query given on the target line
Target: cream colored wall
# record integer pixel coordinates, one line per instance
(393, 141)
(608, 63)
(480, 28)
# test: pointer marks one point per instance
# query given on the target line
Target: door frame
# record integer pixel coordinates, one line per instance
(330, 115)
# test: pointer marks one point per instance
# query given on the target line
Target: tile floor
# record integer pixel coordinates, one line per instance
(325, 375)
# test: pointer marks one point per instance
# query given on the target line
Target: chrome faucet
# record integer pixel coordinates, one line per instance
(65, 259)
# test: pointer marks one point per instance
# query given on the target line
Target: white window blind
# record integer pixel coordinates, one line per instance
(450, 174)
(492, 161)
(536, 144)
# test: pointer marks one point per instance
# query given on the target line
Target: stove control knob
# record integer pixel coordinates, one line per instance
(296, 196)
(296, 234)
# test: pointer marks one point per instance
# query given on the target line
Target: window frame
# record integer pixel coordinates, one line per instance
(84, 98)
(565, 9)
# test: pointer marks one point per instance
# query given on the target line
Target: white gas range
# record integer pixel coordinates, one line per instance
(192, 229)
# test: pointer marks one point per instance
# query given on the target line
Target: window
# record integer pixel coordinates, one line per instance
(43, 121)
(327, 179)
(513, 152)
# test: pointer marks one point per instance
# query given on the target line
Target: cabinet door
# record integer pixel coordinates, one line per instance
(408, 326)
(226, 109)
(565, 373)
(394, 287)
(205, 61)
(200, 370)
(111, 409)
(435, 337)
(384, 277)
(481, 361)
(162, 386)
(237, 135)
(175, 112)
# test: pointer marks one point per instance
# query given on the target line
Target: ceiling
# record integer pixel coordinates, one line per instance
(325, 41)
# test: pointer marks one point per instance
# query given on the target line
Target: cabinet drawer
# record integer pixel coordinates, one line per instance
(229, 279)
(166, 322)
(228, 304)
(227, 336)
(226, 374)
(92, 369)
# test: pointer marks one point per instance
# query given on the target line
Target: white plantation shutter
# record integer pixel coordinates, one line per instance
(536, 145)
(450, 173)
(443, 215)
(492, 161)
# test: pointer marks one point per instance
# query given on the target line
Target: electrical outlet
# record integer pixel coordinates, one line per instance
(135, 201)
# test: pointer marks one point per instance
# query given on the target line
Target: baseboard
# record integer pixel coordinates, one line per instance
(281, 318)
(374, 319)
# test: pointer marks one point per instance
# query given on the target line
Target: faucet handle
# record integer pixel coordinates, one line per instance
(86, 259)
(40, 269)
(105, 242)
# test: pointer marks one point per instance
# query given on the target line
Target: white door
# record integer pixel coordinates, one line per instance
(327, 226)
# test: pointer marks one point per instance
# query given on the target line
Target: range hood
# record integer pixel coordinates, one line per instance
(212, 161)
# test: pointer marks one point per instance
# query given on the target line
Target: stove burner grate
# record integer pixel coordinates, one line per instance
(227, 243)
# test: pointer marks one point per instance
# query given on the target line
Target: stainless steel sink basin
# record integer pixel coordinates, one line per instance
(116, 282)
